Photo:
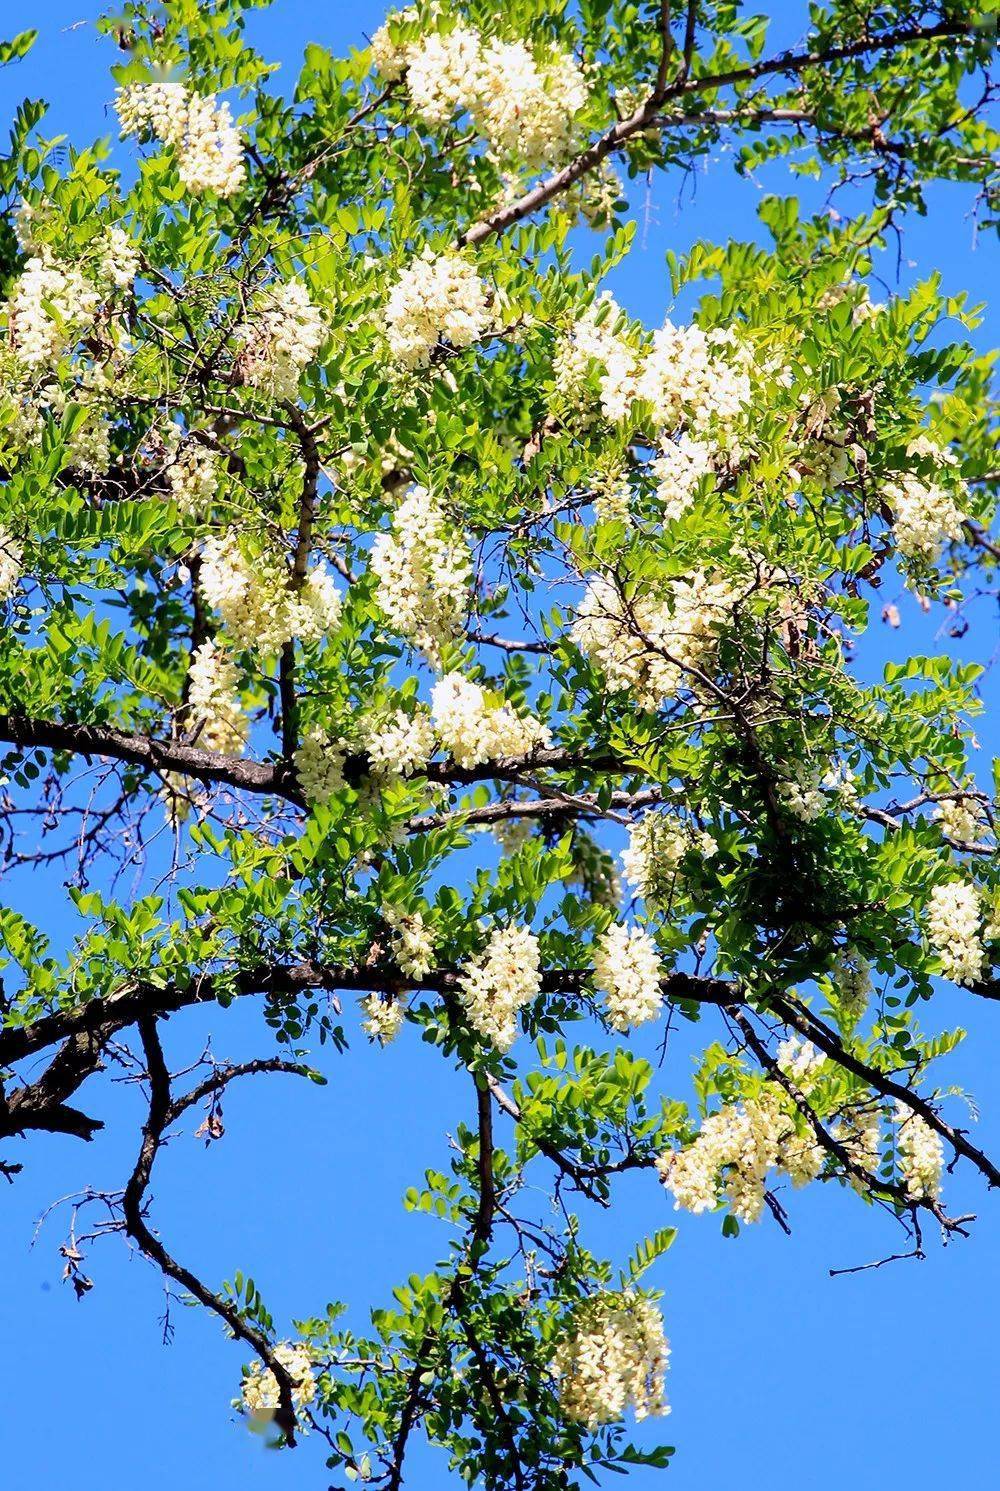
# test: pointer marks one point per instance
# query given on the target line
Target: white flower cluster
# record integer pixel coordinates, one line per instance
(924, 515)
(260, 1386)
(801, 794)
(657, 844)
(120, 260)
(383, 1018)
(733, 1153)
(279, 341)
(613, 499)
(52, 305)
(501, 980)
(596, 350)
(193, 478)
(678, 471)
(388, 49)
(217, 721)
(473, 729)
(523, 107)
(954, 915)
(649, 645)
(694, 378)
(437, 296)
(319, 766)
(690, 380)
(412, 940)
(11, 555)
(207, 143)
(424, 570)
(920, 1154)
(614, 1356)
(255, 601)
(627, 969)
(800, 1062)
(960, 819)
(399, 745)
(860, 1134)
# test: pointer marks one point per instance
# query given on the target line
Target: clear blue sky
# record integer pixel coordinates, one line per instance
(780, 1374)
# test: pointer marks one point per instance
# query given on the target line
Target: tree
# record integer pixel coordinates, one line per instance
(373, 582)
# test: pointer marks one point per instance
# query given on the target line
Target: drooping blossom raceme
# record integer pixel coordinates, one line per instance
(523, 105)
(920, 1153)
(594, 871)
(253, 596)
(424, 571)
(260, 1386)
(503, 978)
(51, 306)
(960, 820)
(593, 196)
(383, 1017)
(120, 260)
(412, 940)
(437, 297)
(613, 1357)
(954, 918)
(801, 793)
(800, 1062)
(594, 366)
(279, 340)
(692, 379)
(216, 718)
(924, 516)
(389, 52)
(627, 968)
(657, 844)
(319, 766)
(512, 833)
(398, 745)
(859, 1133)
(613, 500)
(11, 555)
(208, 146)
(193, 478)
(473, 729)
(442, 73)
(525, 108)
(678, 471)
(733, 1153)
(651, 645)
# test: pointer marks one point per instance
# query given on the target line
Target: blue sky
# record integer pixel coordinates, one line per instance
(779, 1372)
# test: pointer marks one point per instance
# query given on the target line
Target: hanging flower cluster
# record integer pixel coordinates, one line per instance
(954, 918)
(319, 766)
(398, 745)
(260, 1386)
(613, 1357)
(678, 471)
(437, 298)
(207, 144)
(193, 478)
(253, 597)
(217, 720)
(52, 305)
(733, 1153)
(424, 571)
(384, 1017)
(501, 980)
(921, 1157)
(852, 980)
(473, 729)
(523, 105)
(627, 968)
(412, 940)
(651, 645)
(960, 819)
(280, 339)
(657, 844)
(11, 555)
